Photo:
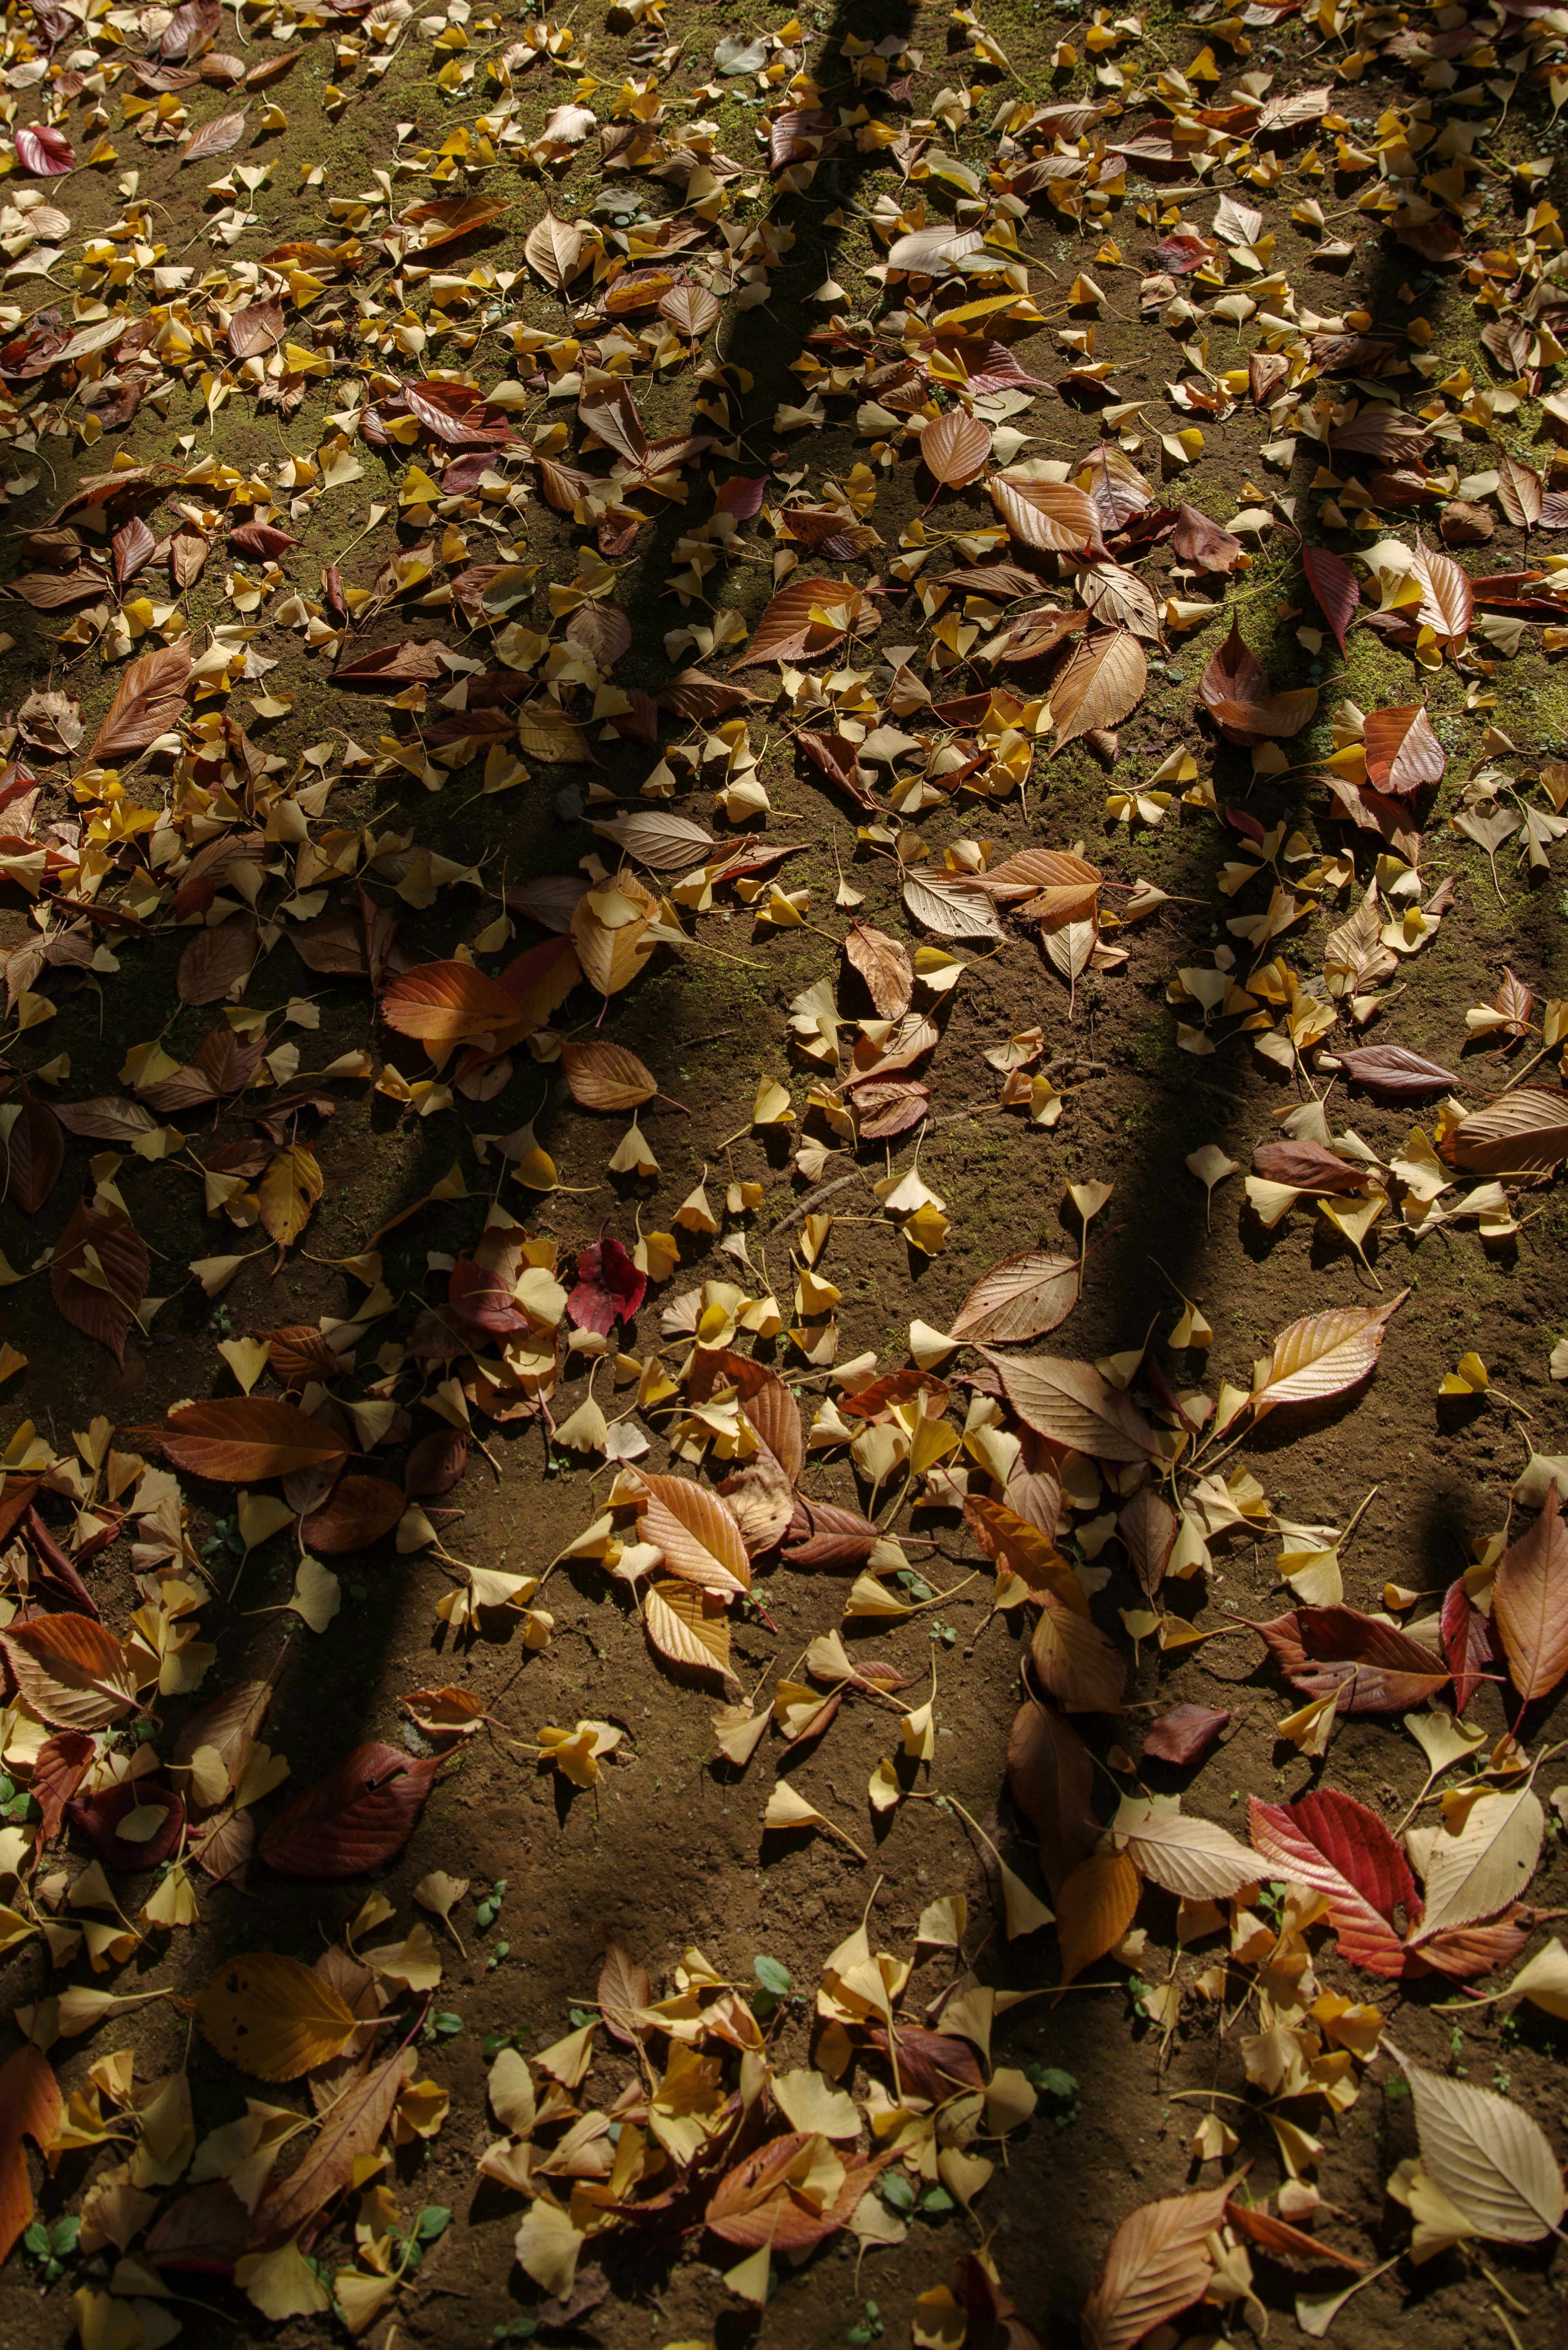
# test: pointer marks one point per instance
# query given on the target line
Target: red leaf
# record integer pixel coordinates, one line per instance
(58, 1770)
(1335, 586)
(1344, 1851)
(99, 1816)
(1236, 691)
(1468, 1643)
(1376, 1668)
(1392, 1069)
(44, 152)
(359, 1817)
(479, 1288)
(147, 701)
(610, 1287)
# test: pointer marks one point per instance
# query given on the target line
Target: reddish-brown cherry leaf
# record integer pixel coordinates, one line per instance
(104, 1314)
(32, 1154)
(1184, 1733)
(1344, 1851)
(1402, 752)
(359, 1817)
(1335, 586)
(359, 1511)
(240, 1440)
(147, 702)
(1376, 1668)
(1469, 1643)
(1051, 1776)
(1530, 1602)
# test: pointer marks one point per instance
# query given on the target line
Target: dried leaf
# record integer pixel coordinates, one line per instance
(241, 1439)
(147, 702)
(1492, 2161)
(955, 447)
(30, 2106)
(1073, 1405)
(359, 1816)
(1530, 1602)
(1334, 1845)
(1322, 1355)
(603, 1075)
(1157, 2265)
(1102, 681)
(274, 2018)
(99, 1273)
(1023, 1297)
(71, 1670)
(1051, 515)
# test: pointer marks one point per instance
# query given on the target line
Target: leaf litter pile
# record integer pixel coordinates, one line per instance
(1008, 582)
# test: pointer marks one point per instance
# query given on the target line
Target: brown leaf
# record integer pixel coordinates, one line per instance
(30, 2106)
(1374, 1667)
(1073, 1405)
(1148, 1527)
(1394, 1070)
(1199, 540)
(1279, 2240)
(1050, 1777)
(884, 965)
(1530, 1602)
(624, 1986)
(889, 1106)
(1322, 1355)
(1023, 1297)
(33, 1152)
(1184, 1733)
(255, 329)
(789, 631)
(1095, 1906)
(822, 1535)
(1236, 691)
(1448, 600)
(1520, 491)
(1402, 751)
(352, 2130)
(443, 220)
(452, 1004)
(1101, 682)
(772, 1410)
(1050, 514)
(99, 1273)
(216, 959)
(359, 1817)
(955, 447)
(214, 137)
(147, 701)
(1075, 1663)
(557, 249)
(1524, 1132)
(361, 1512)
(241, 1439)
(133, 546)
(71, 1671)
(1157, 2265)
(1309, 1167)
(601, 1075)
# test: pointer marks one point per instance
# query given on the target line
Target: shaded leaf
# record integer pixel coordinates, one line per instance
(359, 1816)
